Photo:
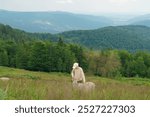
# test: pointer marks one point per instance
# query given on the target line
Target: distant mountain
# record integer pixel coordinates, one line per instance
(141, 20)
(131, 38)
(52, 22)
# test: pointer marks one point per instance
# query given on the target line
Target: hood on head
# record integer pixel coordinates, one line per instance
(75, 65)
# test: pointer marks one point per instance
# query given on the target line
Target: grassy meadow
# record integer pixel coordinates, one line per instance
(28, 85)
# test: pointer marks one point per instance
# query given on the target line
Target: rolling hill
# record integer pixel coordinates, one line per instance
(131, 38)
(141, 20)
(9, 33)
(52, 22)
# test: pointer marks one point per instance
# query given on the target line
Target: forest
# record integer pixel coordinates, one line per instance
(34, 52)
(129, 37)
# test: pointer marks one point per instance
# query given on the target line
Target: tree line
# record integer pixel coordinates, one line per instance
(38, 55)
(39, 52)
(120, 63)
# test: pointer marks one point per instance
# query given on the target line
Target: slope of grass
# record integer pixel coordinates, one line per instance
(27, 85)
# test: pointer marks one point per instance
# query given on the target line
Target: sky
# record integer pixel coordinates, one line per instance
(78, 6)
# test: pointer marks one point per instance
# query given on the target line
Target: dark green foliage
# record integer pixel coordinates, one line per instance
(11, 47)
(131, 38)
(44, 55)
(8, 33)
(33, 51)
(38, 57)
(148, 72)
(3, 57)
(22, 56)
(135, 64)
(81, 58)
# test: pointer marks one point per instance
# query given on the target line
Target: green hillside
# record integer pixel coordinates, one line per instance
(36, 52)
(25, 85)
(11, 34)
(131, 38)
(52, 63)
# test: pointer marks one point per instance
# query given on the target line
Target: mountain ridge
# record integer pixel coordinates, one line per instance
(52, 22)
(141, 20)
(131, 37)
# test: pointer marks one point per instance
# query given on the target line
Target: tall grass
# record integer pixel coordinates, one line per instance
(2, 94)
(27, 85)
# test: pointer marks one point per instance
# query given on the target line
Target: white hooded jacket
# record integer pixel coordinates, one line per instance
(77, 73)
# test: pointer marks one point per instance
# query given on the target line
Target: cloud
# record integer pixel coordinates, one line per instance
(64, 1)
(122, 1)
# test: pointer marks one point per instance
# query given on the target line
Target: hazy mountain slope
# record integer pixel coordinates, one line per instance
(120, 37)
(144, 22)
(52, 22)
(141, 20)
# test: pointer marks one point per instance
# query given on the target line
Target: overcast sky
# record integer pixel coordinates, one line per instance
(78, 6)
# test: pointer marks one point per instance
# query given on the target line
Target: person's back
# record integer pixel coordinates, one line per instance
(77, 73)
